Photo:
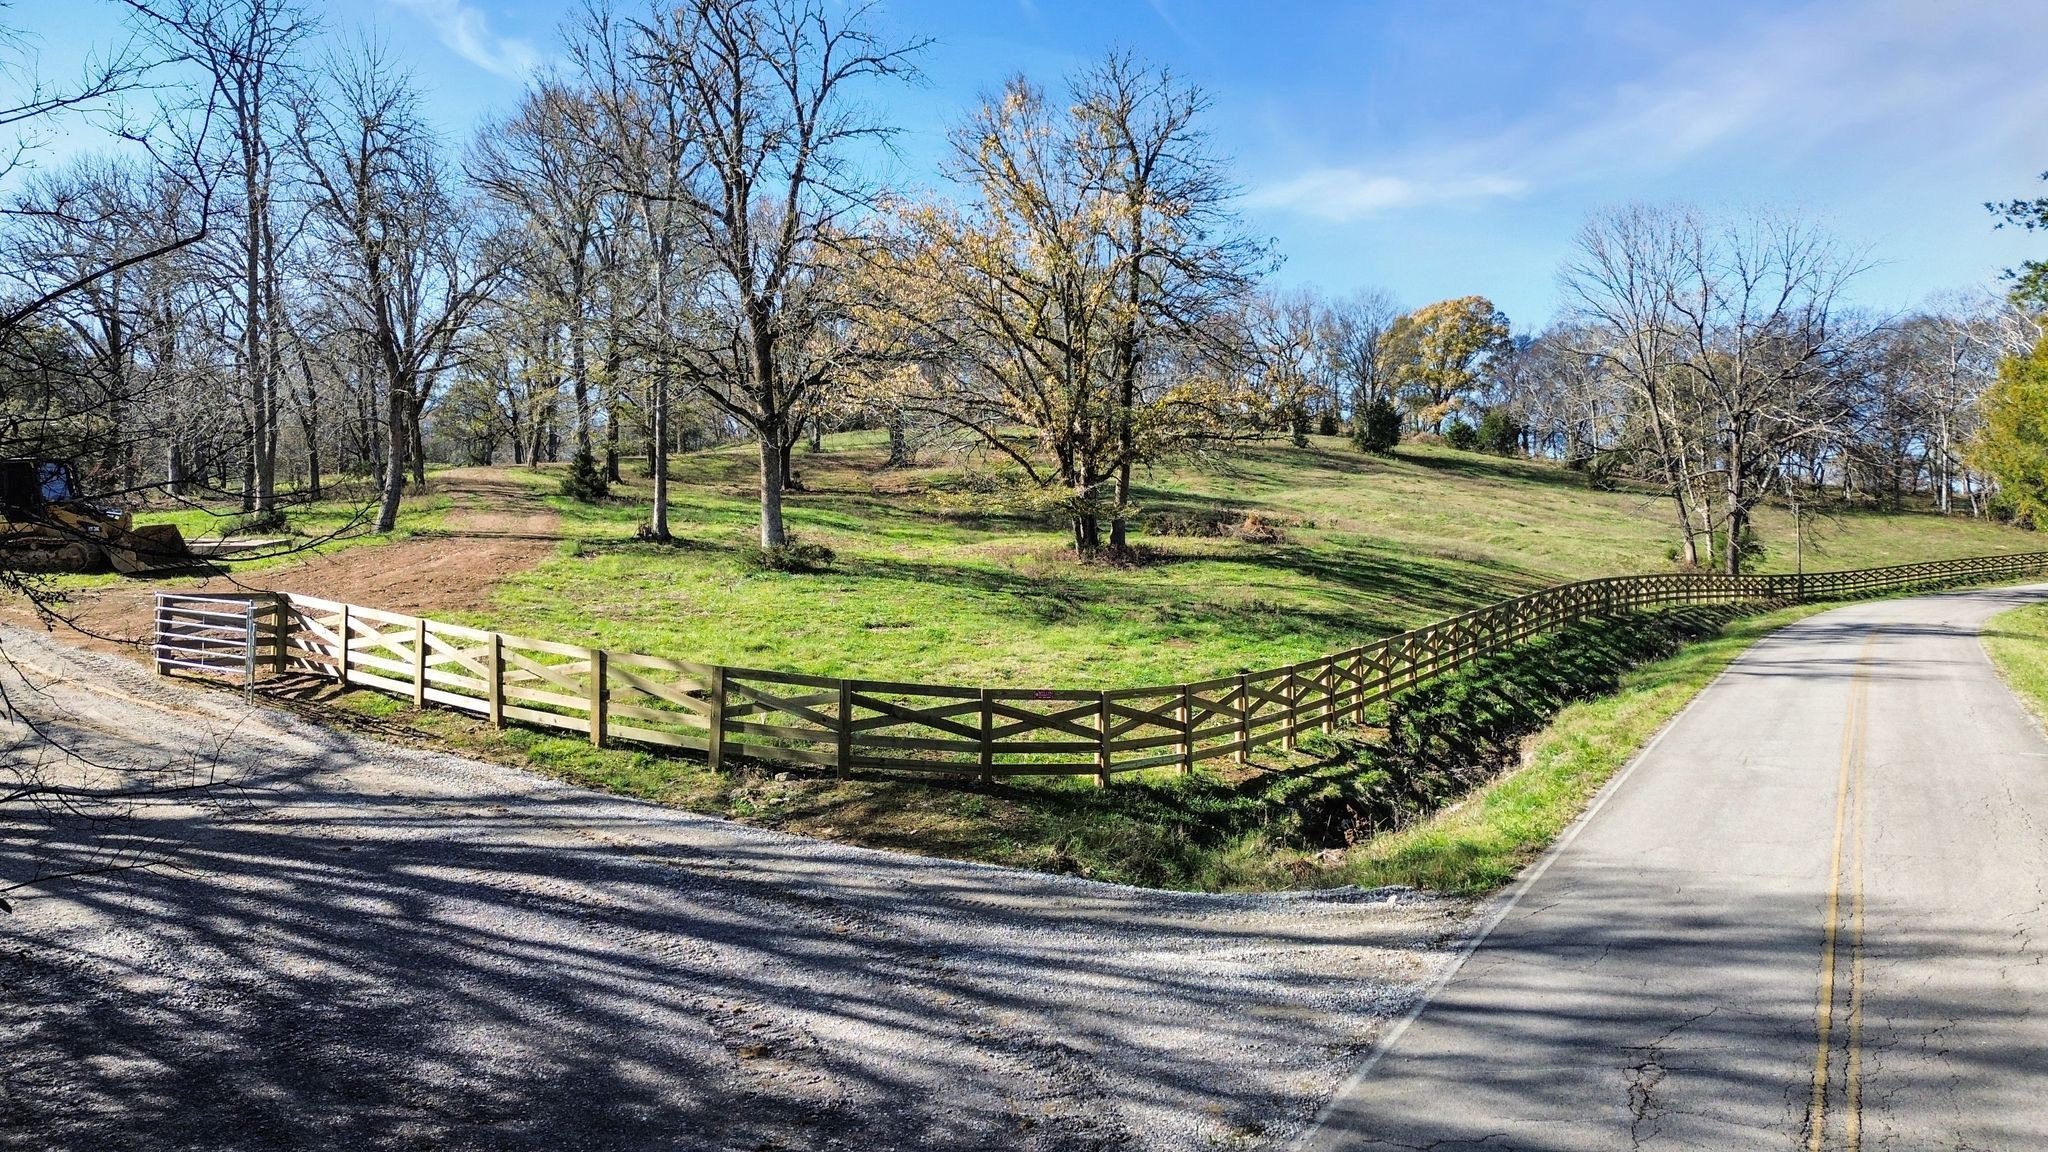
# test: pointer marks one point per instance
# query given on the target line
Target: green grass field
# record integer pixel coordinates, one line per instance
(924, 588)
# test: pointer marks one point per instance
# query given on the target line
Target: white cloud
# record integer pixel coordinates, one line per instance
(465, 30)
(1352, 194)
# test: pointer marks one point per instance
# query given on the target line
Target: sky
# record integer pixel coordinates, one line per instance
(1438, 148)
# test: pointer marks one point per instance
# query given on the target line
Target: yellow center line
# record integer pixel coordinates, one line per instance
(1850, 769)
(1852, 1093)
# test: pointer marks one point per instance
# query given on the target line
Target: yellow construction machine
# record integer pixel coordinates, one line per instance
(47, 527)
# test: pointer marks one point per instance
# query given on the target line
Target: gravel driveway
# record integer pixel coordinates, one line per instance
(372, 947)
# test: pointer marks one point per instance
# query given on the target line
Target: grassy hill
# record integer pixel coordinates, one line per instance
(1341, 548)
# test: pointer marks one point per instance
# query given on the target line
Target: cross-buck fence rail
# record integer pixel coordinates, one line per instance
(790, 718)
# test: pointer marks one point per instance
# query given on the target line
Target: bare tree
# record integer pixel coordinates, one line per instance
(644, 135)
(1760, 328)
(404, 250)
(1287, 328)
(541, 163)
(1354, 340)
(248, 50)
(1732, 334)
(763, 91)
(1621, 285)
(1181, 259)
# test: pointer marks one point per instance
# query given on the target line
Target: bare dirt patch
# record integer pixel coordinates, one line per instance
(498, 525)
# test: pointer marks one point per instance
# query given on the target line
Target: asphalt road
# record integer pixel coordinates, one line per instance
(358, 946)
(1813, 915)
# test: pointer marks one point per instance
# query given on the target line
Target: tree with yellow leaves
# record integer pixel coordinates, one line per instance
(1435, 352)
(1076, 312)
(2012, 444)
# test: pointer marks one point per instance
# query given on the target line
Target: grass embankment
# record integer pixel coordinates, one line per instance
(1536, 732)
(2017, 641)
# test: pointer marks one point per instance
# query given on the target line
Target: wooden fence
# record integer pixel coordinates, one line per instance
(791, 718)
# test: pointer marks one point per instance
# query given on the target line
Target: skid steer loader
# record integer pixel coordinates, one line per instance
(46, 527)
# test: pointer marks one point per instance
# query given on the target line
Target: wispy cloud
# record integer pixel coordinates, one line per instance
(1847, 79)
(1818, 76)
(465, 30)
(1351, 194)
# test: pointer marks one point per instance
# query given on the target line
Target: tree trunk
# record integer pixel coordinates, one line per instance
(249, 466)
(1738, 513)
(657, 456)
(310, 428)
(374, 421)
(899, 443)
(579, 370)
(394, 461)
(657, 441)
(418, 451)
(1119, 541)
(611, 439)
(1946, 480)
(773, 461)
(1087, 534)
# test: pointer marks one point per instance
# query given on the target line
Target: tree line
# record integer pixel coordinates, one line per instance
(287, 273)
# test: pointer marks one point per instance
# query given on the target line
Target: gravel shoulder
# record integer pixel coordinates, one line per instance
(377, 947)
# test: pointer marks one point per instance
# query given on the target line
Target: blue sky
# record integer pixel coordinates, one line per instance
(1443, 148)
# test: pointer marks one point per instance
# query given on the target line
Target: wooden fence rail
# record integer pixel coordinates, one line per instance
(790, 718)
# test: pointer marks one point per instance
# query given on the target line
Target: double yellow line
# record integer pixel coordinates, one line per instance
(1849, 807)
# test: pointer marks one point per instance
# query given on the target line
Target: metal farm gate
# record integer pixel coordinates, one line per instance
(219, 633)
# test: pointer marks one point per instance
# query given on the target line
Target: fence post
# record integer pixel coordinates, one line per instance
(1291, 686)
(496, 681)
(988, 738)
(715, 743)
(282, 606)
(843, 759)
(249, 648)
(1327, 679)
(599, 665)
(419, 662)
(341, 657)
(1102, 740)
(1244, 719)
(1187, 731)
